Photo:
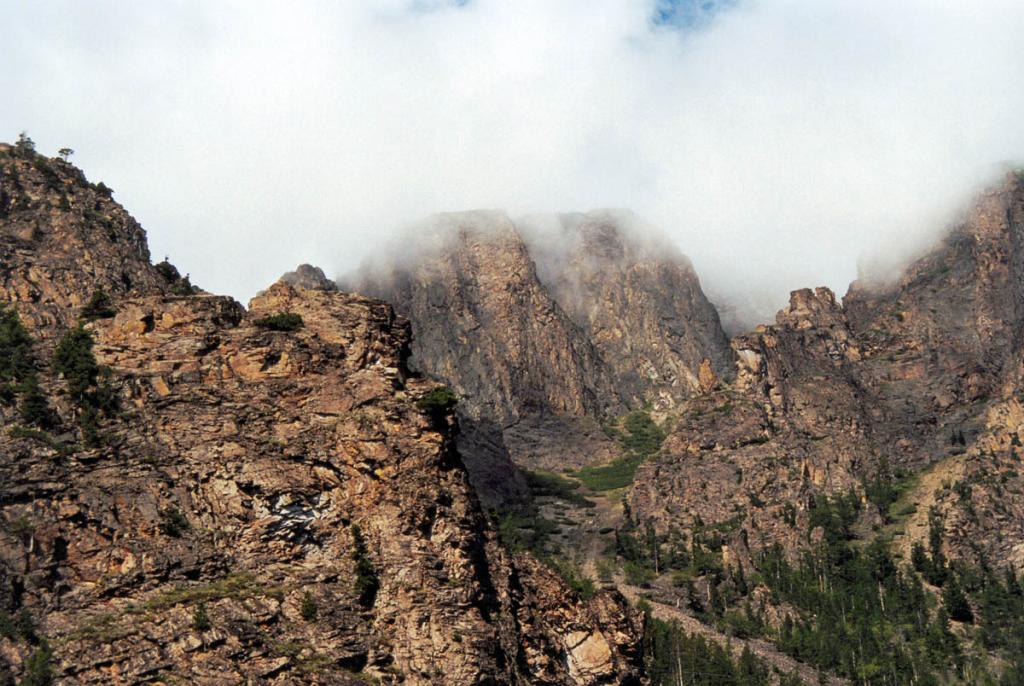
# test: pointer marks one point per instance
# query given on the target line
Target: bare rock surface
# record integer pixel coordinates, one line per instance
(267, 506)
(918, 376)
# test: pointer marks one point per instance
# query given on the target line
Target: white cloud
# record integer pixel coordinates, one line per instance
(777, 144)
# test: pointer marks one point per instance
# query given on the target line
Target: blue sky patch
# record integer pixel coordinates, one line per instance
(689, 14)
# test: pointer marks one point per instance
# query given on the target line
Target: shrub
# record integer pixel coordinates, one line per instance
(200, 618)
(180, 285)
(183, 286)
(168, 271)
(637, 575)
(956, 602)
(38, 671)
(34, 408)
(15, 348)
(282, 321)
(173, 522)
(645, 436)
(100, 306)
(25, 146)
(88, 383)
(18, 374)
(21, 432)
(555, 486)
(437, 402)
(573, 577)
(525, 531)
(19, 626)
(74, 360)
(308, 610)
(366, 582)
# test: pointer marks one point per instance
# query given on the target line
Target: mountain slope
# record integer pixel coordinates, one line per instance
(546, 331)
(219, 495)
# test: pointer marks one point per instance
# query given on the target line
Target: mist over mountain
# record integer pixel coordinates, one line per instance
(777, 143)
(590, 343)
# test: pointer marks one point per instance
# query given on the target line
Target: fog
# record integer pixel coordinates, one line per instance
(779, 143)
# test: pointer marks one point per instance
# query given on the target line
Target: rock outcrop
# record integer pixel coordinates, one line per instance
(309, 277)
(268, 505)
(753, 455)
(544, 331)
(638, 299)
(48, 206)
(834, 395)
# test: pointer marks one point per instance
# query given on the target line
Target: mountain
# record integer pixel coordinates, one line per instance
(544, 332)
(542, 463)
(897, 379)
(873, 445)
(196, 492)
(868, 445)
(638, 300)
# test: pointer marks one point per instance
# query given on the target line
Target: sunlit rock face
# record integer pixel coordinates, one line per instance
(268, 504)
(923, 376)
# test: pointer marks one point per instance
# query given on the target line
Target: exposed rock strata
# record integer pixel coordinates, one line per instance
(830, 394)
(543, 332)
(250, 476)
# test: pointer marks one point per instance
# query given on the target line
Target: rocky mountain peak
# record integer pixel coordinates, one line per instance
(544, 326)
(64, 239)
(310, 277)
(246, 496)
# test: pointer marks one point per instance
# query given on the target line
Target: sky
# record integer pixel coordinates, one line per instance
(780, 143)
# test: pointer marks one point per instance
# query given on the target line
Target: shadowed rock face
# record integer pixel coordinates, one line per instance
(544, 331)
(486, 324)
(946, 339)
(260, 475)
(793, 425)
(638, 299)
(921, 376)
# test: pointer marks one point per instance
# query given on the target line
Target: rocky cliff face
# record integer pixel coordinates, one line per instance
(486, 324)
(832, 396)
(638, 299)
(755, 454)
(543, 332)
(267, 505)
(48, 206)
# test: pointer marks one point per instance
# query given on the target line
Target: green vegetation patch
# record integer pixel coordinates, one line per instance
(366, 582)
(16, 362)
(41, 437)
(673, 657)
(618, 473)
(437, 402)
(88, 383)
(859, 615)
(100, 306)
(236, 586)
(640, 438)
(548, 484)
(644, 437)
(18, 377)
(574, 578)
(282, 321)
(173, 522)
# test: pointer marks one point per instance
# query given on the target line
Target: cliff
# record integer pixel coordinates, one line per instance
(233, 496)
(546, 331)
